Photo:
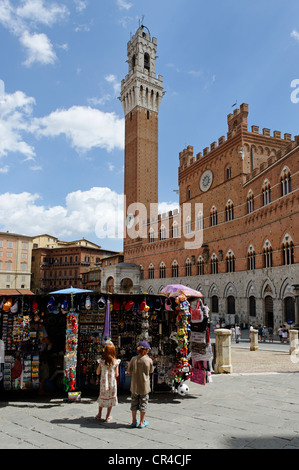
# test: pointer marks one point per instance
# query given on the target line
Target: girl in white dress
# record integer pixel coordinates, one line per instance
(109, 369)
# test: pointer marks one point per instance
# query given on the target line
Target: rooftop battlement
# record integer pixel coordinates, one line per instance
(237, 122)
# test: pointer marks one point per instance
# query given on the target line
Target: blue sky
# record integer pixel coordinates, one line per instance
(62, 125)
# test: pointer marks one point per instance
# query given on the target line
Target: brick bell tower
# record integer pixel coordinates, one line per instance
(141, 95)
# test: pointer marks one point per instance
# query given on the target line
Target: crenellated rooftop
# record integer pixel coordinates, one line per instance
(237, 122)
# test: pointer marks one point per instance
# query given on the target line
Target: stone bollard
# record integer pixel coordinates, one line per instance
(254, 344)
(223, 351)
(293, 341)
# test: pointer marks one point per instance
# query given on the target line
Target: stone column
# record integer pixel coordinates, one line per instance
(293, 341)
(253, 340)
(223, 351)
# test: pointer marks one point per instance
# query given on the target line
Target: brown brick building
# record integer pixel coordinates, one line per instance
(58, 264)
(240, 193)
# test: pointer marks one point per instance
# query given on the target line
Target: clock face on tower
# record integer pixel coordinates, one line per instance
(206, 180)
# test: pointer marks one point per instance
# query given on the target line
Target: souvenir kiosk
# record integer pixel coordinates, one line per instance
(21, 336)
(52, 343)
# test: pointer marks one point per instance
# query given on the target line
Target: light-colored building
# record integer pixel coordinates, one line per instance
(15, 261)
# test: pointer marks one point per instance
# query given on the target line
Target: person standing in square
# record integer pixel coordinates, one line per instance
(140, 367)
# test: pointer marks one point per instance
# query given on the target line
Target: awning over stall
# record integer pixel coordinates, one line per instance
(9, 292)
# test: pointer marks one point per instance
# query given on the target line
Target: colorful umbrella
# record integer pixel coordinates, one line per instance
(72, 291)
(173, 290)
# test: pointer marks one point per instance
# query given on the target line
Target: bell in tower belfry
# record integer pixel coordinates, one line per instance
(141, 95)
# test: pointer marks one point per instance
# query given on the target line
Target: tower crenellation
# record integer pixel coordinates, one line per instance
(142, 87)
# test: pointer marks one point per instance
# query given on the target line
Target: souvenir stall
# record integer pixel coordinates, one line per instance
(22, 335)
(146, 318)
(72, 313)
(167, 322)
(98, 322)
(194, 350)
(200, 345)
(125, 320)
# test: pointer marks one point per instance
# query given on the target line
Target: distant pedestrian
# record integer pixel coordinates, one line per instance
(140, 367)
(270, 332)
(108, 368)
(285, 335)
(233, 331)
(264, 334)
(238, 333)
(279, 332)
(260, 332)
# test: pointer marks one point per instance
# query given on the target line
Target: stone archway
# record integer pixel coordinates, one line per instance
(110, 285)
(126, 286)
(289, 309)
(268, 306)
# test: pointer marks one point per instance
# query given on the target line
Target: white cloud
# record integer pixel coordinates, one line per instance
(96, 213)
(84, 127)
(15, 110)
(4, 169)
(39, 48)
(123, 5)
(80, 5)
(295, 34)
(22, 20)
(35, 11)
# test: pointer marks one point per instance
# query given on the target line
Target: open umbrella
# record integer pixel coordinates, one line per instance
(72, 291)
(173, 290)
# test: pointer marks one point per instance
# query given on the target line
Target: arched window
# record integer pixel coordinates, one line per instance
(231, 305)
(252, 306)
(201, 266)
(213, 216)
(151, 236)
(251, 258)
(175, 229)
(266, 191)
(199, 221)
(147, 61)
(188, 225)
(287, 250)
(215, 307)
(289, 309)
(214, 264)
(133, 61)
(141, 272)
(162, 233)
(229, 210)
(285, 180)
(162, 270)
(151, 271)
(250, 202)
(230, 262)
(175, 269)
(188, 267)
(267, 251)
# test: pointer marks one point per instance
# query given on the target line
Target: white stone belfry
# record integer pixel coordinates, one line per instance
(141, 87)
